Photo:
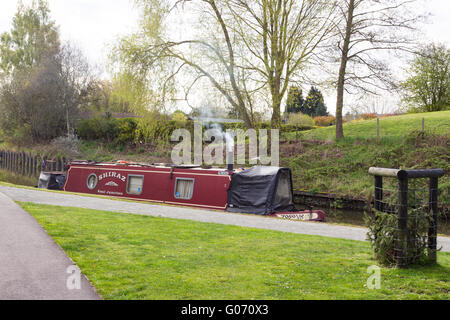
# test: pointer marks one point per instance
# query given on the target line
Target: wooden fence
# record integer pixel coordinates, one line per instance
(29, 165)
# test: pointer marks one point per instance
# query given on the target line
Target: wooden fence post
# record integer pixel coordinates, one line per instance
(16, 158)
(35, 162)
(22, 171)
(378, 128)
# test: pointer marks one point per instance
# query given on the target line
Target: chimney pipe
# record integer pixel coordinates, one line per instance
(230, 160)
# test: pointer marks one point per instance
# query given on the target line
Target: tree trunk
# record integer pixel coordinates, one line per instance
(244, 116)
(340, 102)
(276, 116)
(342, 71)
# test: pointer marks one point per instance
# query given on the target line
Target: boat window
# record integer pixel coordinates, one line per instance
(284, 190)
(184, 188)
(135, 184)
(92, 181)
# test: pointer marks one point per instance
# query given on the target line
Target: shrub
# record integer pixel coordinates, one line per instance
(300, 119)
(179, 117)
(126, 130)
(383, 232)
(66, 146)
(324, 121)
(368, 116)
(96, 129)
(22, 135)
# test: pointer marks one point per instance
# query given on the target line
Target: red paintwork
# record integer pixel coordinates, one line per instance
(210, 185)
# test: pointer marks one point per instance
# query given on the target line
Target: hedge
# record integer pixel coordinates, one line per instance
(131, 130)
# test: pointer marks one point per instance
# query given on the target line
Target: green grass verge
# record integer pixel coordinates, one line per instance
(140, 257)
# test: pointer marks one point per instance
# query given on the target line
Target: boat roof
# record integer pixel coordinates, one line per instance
(131, 164)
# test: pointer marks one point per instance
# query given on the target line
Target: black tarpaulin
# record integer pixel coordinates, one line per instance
(261, 190)
(51, 181)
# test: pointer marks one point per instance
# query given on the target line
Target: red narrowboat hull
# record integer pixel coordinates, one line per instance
(185, 186)
(209, 186)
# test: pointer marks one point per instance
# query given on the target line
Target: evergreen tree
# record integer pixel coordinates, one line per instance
(314, 104)
(295, 100)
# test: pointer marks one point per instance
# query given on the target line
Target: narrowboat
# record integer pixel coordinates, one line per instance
(262, 190)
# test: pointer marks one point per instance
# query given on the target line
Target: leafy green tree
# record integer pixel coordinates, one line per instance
(295, 100)
(314, 104)
(33, 36)
(43, 83)
(428, 86)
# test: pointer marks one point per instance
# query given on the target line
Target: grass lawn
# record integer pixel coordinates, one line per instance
(140, 257)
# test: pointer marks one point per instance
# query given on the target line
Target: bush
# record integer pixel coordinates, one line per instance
(368, 116)
(67, 146)
(126, 130)
(300, 119)
(324, 121)
(22, 135)
(121, 131)
(383, 232)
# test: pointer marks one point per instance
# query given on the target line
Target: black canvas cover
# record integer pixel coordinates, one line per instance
(51, 181)
(261, 190)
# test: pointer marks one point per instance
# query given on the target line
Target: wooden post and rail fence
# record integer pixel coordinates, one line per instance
(28, 165)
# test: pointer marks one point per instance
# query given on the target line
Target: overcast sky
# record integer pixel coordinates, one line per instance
(94, 24)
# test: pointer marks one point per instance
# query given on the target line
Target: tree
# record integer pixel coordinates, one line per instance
(43, 82)
(32, 37)
(314, 104)
(428, 85)
(295, 101)
(74, 80)
(246, 49)
(367, 27)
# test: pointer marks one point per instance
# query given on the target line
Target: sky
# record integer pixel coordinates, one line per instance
(93, 25)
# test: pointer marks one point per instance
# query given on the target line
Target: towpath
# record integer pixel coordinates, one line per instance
(32, 265)
(142, 208)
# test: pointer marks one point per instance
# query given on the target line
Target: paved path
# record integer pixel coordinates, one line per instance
(32, 265)
(310, 228)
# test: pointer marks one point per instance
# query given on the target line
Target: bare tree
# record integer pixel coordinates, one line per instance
(244, 48)
(75, 77)
(366, 28)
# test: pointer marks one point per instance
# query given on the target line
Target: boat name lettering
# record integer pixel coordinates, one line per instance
(112, 174)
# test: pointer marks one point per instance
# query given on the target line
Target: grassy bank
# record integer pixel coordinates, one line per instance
(318, 163)
(321, 164)
(17, 179)
(139, 257)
